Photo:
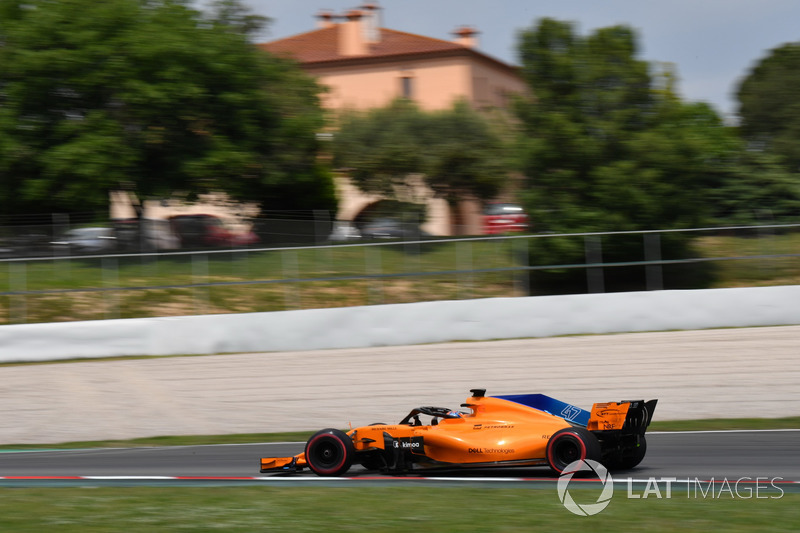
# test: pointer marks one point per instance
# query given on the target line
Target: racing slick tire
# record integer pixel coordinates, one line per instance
(571, 444)
(330, 452)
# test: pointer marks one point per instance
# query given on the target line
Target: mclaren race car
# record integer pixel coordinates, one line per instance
(514, 430)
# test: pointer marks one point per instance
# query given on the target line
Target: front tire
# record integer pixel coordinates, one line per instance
(330, 452)
(571, 444)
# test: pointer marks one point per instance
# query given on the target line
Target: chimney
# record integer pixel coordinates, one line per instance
(324, 19)
(351, 35)
(371, 22)
(466, 36)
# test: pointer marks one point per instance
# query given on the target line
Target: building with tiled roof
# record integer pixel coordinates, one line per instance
(365, 65)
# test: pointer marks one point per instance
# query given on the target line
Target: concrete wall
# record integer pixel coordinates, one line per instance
(404, 324)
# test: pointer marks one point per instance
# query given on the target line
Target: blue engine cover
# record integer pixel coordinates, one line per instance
(568, 412)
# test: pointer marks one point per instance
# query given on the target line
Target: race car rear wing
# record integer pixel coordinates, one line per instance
(631, 415)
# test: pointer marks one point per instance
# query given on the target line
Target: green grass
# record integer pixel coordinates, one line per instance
(180, 440)
(301, 436)
(339, 261)
(384, 509)
(754, 272)
(136, 273)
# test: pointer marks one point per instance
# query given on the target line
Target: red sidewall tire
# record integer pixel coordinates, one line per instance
(571, 444)
(330, 452)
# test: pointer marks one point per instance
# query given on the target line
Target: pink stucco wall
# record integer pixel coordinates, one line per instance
(436, 83)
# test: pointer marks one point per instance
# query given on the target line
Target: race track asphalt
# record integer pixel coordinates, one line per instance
(681, 455)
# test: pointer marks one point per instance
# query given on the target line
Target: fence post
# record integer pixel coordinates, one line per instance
(110, 268)
(520, 250)
(593, 247)
(652, 256)
(464, 263)
(322, 221)
(59, 227)
(322, 227)
(61, 224)
(290, 271)
(372, 261)
(200, 275)
(765, 237)
(413, 248)
(17, 282)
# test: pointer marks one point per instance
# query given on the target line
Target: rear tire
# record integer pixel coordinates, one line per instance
(330, 452)
(631, 458)
(571, 444)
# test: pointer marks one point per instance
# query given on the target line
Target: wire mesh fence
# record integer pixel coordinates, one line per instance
(63, 287)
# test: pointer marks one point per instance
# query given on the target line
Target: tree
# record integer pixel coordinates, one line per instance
(757, 190)
(155, 95)
(606, 145)
(456, 151)
(768, 106)
(378, 149)
(232, 15)
(465, 156)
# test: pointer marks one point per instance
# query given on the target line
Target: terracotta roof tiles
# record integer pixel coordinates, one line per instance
(323, 45)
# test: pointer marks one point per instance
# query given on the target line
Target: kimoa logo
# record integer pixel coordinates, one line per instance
(406, 444)
(585, 465)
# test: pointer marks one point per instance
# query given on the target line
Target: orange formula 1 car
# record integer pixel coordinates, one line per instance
(515, 430)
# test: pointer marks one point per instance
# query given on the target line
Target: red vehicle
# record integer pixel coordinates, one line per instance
(504, 218)
(208, 231)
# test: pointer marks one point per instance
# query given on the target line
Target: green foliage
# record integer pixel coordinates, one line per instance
(457, 151)
(605, 148)
(757, 190)
(768, 105)
(765, 183)
(232, 15)
(608, 146)
(464, 156)
(380, 148)
(153, 94)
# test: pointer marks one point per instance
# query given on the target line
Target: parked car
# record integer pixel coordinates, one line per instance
(344, 230)
(201, 231)
(391, 228)
(504, 218)
(86, 241)
(23, 242)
